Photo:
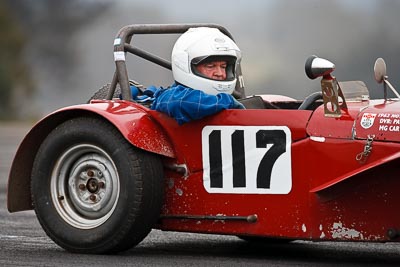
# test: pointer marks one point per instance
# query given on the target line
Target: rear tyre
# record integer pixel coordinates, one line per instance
(102, 93)
(93, 192)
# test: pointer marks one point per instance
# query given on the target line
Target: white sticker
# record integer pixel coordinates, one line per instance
(119, 56)
(367, 120)
(117, 41)
(247, 159)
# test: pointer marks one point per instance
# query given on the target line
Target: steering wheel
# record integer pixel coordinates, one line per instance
(309, 100)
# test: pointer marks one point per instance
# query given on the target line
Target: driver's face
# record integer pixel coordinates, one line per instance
(215, 70)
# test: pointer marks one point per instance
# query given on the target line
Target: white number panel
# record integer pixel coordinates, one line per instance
(247, 159)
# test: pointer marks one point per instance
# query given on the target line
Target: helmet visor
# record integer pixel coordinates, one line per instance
(230, 65)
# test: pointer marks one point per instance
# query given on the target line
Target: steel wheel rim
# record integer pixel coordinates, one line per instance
(85, 186)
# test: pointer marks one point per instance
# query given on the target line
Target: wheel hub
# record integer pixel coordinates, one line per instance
(92, 185)
(86, 186)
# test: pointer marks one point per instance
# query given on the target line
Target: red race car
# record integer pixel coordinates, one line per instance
(101, 175)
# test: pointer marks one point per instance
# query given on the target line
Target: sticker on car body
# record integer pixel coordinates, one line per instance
(367, 120)
(247, 159)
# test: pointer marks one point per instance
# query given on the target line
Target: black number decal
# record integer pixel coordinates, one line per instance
(278, 140)
(238, 159)
(215, 156)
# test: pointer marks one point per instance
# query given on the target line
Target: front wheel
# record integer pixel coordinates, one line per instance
(93, 192)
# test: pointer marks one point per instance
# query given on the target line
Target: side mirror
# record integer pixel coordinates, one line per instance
(317, 67)
(381, 77)
(380, 70)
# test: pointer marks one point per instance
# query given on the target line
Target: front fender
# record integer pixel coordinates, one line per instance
(132, 120)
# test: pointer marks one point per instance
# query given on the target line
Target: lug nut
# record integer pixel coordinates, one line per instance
(101, 184)
(82, 187)
(92, 198)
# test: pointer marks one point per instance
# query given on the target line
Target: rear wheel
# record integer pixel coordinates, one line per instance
(102, 93)
(93, 192)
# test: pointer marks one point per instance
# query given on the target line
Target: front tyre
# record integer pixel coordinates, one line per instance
(93, 192)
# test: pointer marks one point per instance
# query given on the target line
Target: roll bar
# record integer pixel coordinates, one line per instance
(122, 45)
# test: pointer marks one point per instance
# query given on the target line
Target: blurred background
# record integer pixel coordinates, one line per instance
(58, 53)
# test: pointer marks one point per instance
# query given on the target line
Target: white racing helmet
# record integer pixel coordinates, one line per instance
(199, 45)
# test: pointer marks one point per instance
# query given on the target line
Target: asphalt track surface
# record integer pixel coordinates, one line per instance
(24, 243)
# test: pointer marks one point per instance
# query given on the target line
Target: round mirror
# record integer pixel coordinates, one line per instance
(380, 70)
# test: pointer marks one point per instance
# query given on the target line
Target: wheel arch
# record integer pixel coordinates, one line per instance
(134, 124)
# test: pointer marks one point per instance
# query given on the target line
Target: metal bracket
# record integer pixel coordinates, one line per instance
(179, 168)
(331, 93)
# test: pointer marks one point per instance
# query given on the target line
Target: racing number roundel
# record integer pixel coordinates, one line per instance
(247, 159)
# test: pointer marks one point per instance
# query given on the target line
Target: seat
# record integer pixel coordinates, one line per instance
(256, 102)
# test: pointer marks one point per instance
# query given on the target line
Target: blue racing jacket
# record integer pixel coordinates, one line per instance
(185, 104)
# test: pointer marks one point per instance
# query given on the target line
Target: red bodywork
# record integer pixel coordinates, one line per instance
(330, 191)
